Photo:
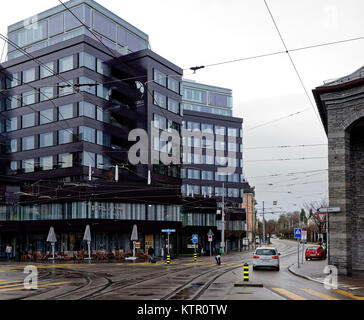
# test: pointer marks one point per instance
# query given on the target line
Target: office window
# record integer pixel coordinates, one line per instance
(207, 128)
(46, 93)
(207, 175)
(220, 145)
(88, 61)
(65, 88)
(220, 161)
(103, 115)
(88, 85)
(65, 160)
(193, 174)
(160, 100)
(27, 143)
(65, 136)
(12, 102)
(46, 116)
(87, 109)
(47, 70)
(103, 139)
(66, 64)
(103, 162)
(28, 120)
(28, 165)
(233, 192)
(88, 158)
(183, 173)
(160, 78)
(103, 92)
(103, 68)
(13, 168)
(234, 147)
(233, 177)
(220, 130)
(11, 124)
(87, 134)
(28, 98)
(173, 84)
(56, 25)
(82, 12)
(46, 139)
(29, 75)
(207, 159)
(46, 163)
(233, 132)
(104, 25)
(12, 81)
(12, 146)
(194, 95)
(65, 112)
(173, 106)
(233, 162)
(220, 176)
(160, 122)
(193, 126)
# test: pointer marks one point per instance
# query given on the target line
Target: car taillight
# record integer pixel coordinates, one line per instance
(255, 257)
(275, 257)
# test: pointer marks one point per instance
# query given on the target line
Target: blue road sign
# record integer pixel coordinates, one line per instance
(297, 233)
(195, 238)
(168, 230)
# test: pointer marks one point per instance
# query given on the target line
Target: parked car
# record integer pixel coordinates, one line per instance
(315, 252)
(266, 257)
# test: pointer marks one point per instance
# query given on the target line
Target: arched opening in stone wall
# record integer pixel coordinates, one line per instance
(356, 193)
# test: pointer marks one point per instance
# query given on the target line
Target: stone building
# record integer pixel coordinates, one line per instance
(341, 106)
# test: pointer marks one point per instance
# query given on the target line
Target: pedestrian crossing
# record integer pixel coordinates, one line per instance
(18, 285)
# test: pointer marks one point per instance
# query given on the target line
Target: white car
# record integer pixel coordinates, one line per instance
(266, 257)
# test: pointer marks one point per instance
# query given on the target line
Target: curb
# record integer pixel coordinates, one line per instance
(303, 276)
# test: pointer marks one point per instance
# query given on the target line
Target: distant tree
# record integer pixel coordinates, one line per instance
(303, 217)
(313, 207)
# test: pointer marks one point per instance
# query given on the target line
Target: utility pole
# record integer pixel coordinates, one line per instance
(223, 219)
(263, 225)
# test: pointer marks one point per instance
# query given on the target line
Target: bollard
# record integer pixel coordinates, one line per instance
(195, 257)
(246, 272)
(168, 259)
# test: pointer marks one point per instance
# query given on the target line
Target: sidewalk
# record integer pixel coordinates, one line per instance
(314, 271)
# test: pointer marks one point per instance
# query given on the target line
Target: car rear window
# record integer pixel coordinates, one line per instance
(265, 252)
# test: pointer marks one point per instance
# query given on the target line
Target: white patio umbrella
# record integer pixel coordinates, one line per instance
(52, 239)
(134, 237)
(87, 237)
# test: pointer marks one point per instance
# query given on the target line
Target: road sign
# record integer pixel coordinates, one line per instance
(321, 216)
(209, 237)
(297, 233)
(210, 233)
(330, 209)
(195, 238)
(168, 230)
(304, 235)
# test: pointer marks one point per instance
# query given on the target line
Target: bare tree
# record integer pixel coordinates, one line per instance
(313, 207)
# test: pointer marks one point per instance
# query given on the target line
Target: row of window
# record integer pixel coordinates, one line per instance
(199, 219)
(196, 158)
(65, 22)
(166, 81)
(47, 116)
(213, 110)
(210, 128)
(207, 97)
(205, 143)
(65, 160)
(167, 103)
(51, 68)
(163, 123)
(209, 191)
(65, 136)
(91, 210)
(210, 175)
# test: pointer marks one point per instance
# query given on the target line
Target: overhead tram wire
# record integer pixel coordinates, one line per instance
(287, 146)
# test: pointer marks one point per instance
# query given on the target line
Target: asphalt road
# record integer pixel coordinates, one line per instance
(184, 279)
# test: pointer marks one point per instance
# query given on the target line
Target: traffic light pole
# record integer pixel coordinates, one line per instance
(263, 225)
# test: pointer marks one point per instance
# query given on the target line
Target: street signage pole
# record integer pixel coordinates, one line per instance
(263, 226)
(298, 236)
(209, 237)
(223, 219)
(168, 231)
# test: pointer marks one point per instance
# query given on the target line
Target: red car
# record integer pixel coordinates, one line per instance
(315, 252)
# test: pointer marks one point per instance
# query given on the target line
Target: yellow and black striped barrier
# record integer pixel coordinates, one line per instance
(195, 257)
(168, 259)
(246, 272)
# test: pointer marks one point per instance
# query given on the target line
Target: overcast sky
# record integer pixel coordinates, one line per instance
(201, 32)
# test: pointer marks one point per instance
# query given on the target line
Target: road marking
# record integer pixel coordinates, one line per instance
(319, 294)
(6, 282)
(348, 294)
(289, 294)
(39, 286)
